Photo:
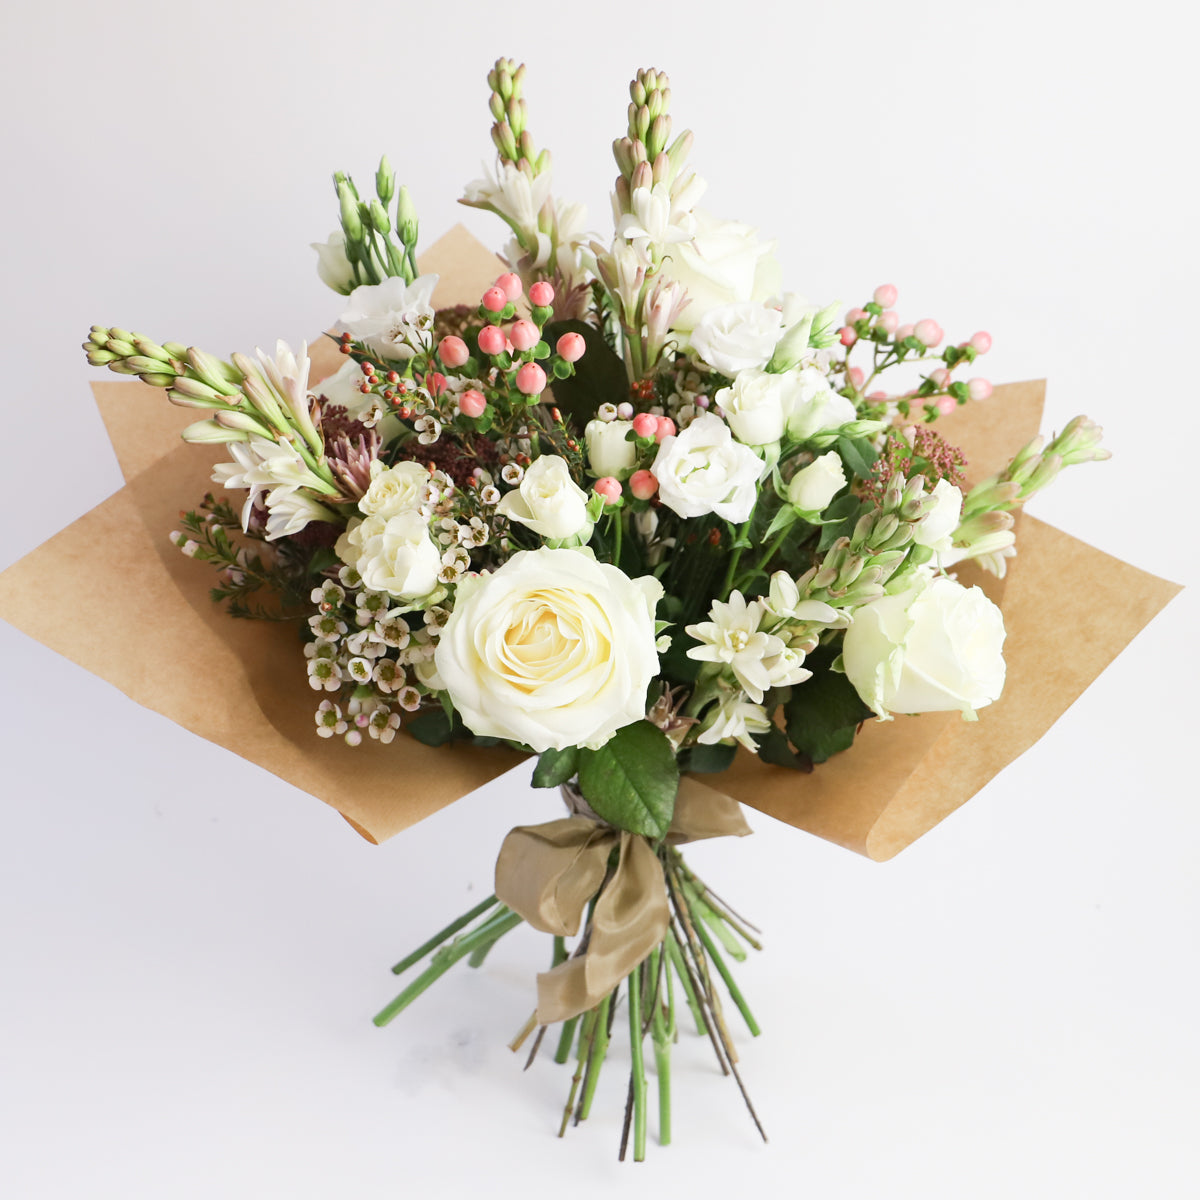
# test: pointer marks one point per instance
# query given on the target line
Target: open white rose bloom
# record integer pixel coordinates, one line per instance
(634, 511)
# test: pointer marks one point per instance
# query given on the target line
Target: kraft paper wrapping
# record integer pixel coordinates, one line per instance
(154, 634)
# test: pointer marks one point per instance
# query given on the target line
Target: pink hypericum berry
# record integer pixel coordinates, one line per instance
(541, 294)
(855, 314)
(666, 428)
(643, 484)
(981, 341)
(847, 336)
(928, 332)
(885, 295)
(979, 389)
(877, 395)
(524, 335)
(435, 383)
(609, 488)
(946, 405)
(492, 339)
(889, 322)
(494, 299)
(453, 351)
(510, 285)
(905, 331)
(855, 376)
(940, 376)
(645, 425)
(571, 346)
(531, 380)
(471, 403)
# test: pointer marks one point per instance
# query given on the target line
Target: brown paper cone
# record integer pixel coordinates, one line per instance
(1069, 610)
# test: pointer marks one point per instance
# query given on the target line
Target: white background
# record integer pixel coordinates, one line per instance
(191, 950)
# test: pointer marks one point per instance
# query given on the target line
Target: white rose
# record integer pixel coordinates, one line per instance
(737, 337)
(724, 263)
(812, 488)
(703, 470)
(754, 406)
(393, 554)
(553, 650)
(935, 647)
(816, 407)
(332, 264)
(394, 490)
(936, 528)
(549, 501)
(608, 451)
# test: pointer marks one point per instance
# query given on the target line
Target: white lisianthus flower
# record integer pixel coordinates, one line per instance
(755, 405)
(393, 318)
(816, 407)
(332, 264)
(549, 501)
(733, 638)
(344, 388)
(813, 487)
(393, 554)
(723, 264)
(394, 490)
(936, 528)
(609, 453)
(703, 470)
(734, 719)
(935, 647)
(553, 649)
(737, 337)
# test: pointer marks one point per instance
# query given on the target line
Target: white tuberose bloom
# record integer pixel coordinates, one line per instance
(549, 501)
(734, 719)
(758, 660)
(737, 337)
(514, 194)
(265, 468)
(552, 650)
(703, 470)
(935, 647)
(393, 318)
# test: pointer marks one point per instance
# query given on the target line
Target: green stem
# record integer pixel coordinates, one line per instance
(618, 525)
(565, 1040)
(732, 946)
(487, 933)
(662, 1054)
(638, 1067)
(726, 975)
(595, 1058)
(438, 938)
(586, 1039)
(676, 957)
(734, 558)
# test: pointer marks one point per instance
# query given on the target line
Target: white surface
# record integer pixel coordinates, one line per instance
(192, 950)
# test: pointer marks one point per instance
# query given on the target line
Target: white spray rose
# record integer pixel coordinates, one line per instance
(553, 650)
(393, 554)
(332, 264)
(724, 263)
(737, 337)
(608, 451)
(755, 405)
(394, 490)
(813, 487)
(703, 470)
(936, 528)
(816, 406)
(935, 647)
(549, 501)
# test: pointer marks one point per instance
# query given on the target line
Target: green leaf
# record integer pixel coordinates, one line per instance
(434, 728)
(773, 748)
(858, 454)
(632, 779)
(824, 713)
(708, 760)
(599, 375)
(322, 560)
(555, 767)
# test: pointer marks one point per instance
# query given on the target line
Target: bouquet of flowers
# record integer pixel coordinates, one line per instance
(636, 511)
